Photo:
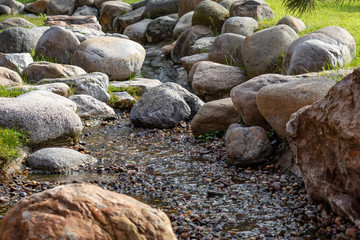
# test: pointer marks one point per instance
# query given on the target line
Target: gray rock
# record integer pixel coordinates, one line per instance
(137, 31)
(15, 22)
(158, 8)
(15, 6)
(84, 33)
(125, 101)
(91, 108)
(184, 23)
(9, 77)
(47, 123)
(58, 44)
(93, 84)
(61, 7)
(86, 11)
(202, 45)
(143, 83)
(58, 88)
(161, 28)
(164, 107)
(18, 40)
(240, 25)
(15, 61)
(58, 160)
(293, 22)
(247, 146)
(140, 4)
(189, 61)
(131, 18)
(262, 51)
(110, 10)
(5, 10)
(257, 9)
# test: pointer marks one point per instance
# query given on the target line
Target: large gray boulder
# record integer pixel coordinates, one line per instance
(161, 28)
(18, 40)
(158, 8)
(164, 107)
(47, 123)
(116, 57)
(327, 48)
(15, 7)
(244, 26)
(61, 7)
(257, 9)
(58, 160)
(184, 23)
(15, 61)
(262, 51)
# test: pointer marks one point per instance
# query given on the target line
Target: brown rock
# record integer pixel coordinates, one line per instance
(293, 22)
(187, 6)
(84, 211)
(214, 115)
(9, 77)
(111, 9)
(278, 101)
(40, 6)
(326, 142)
(74, 21)
(189, 61)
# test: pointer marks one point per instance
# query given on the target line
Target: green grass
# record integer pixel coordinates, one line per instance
(345, 16)
(38, 21)
(135, 92)
(10, 93)
(10, 143)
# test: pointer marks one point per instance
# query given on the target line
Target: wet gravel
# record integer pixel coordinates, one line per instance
(190, 180)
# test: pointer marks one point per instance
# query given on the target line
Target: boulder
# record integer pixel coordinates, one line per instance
(277, 102)
(9, 77)
(244, 26)
(48, 123)
(214, 115)
(164, 107)
(187, 39)
(184, 23)
(293, 22)
(257, 9)
(18, 40)
(186, 6)
(15, 22)
(84, 211)
(82, 3)
(84, 33)
(61, 7)
(130, 18)
(57, 44)
(189, 61)
(137, 31)
(210, 14)
(327, 48)
(111, 9)
(83, 22)
(91, 108)
(247, 146)
(326, 143)
(202, 45)
(116, 57)
(124, 101)
(39, 70)
(158, 8)
(37, 7)
(87, 11)
(15, 6)
(58, 88)
(143, 83)
(212, 81)
(15, 61)
(5, 10)
(161, 28)
(139, 4)
(262, 51)
(227, 49)
(93, 84)
(58, 160)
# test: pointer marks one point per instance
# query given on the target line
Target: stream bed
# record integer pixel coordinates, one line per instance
(190, 181)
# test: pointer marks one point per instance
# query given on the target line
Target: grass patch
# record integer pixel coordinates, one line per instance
(10, 93)
(38, 21)
(11, 141)
(345, 16)
(135, 92)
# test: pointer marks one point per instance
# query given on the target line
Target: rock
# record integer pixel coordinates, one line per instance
(57, 44)
(186, 6)
(15, 6)
(58, 88)
(125, 101)
(212, 81)
(326, 144)
(164, 107)
(118, 58)
(262, 51)
(48, 123)
(131, 18)
(143, 83)
(5, 10)
(184, 23)
(15, 61)
(189, 61)
(91, 108)
(37, 7)
(257, 9)
(39, 70)
(214, 115)
(227, 49)
(18, 40)
(111, 9)
(158, 8)
(87, 212)
(202, 45)
(210, 14)
(137, 31)
(139, 4)
(247, 146)
(161, 28)
(15, 22)
(244, 96)
(244, 26)
(61, 7)
(277, 102)
(187, 39)
(58, 160)
(93, 84)
(82, 3)
(87, 11)
(84, 33)
(74, 21)
(293, 22)
(9, 77)
(319, 50)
